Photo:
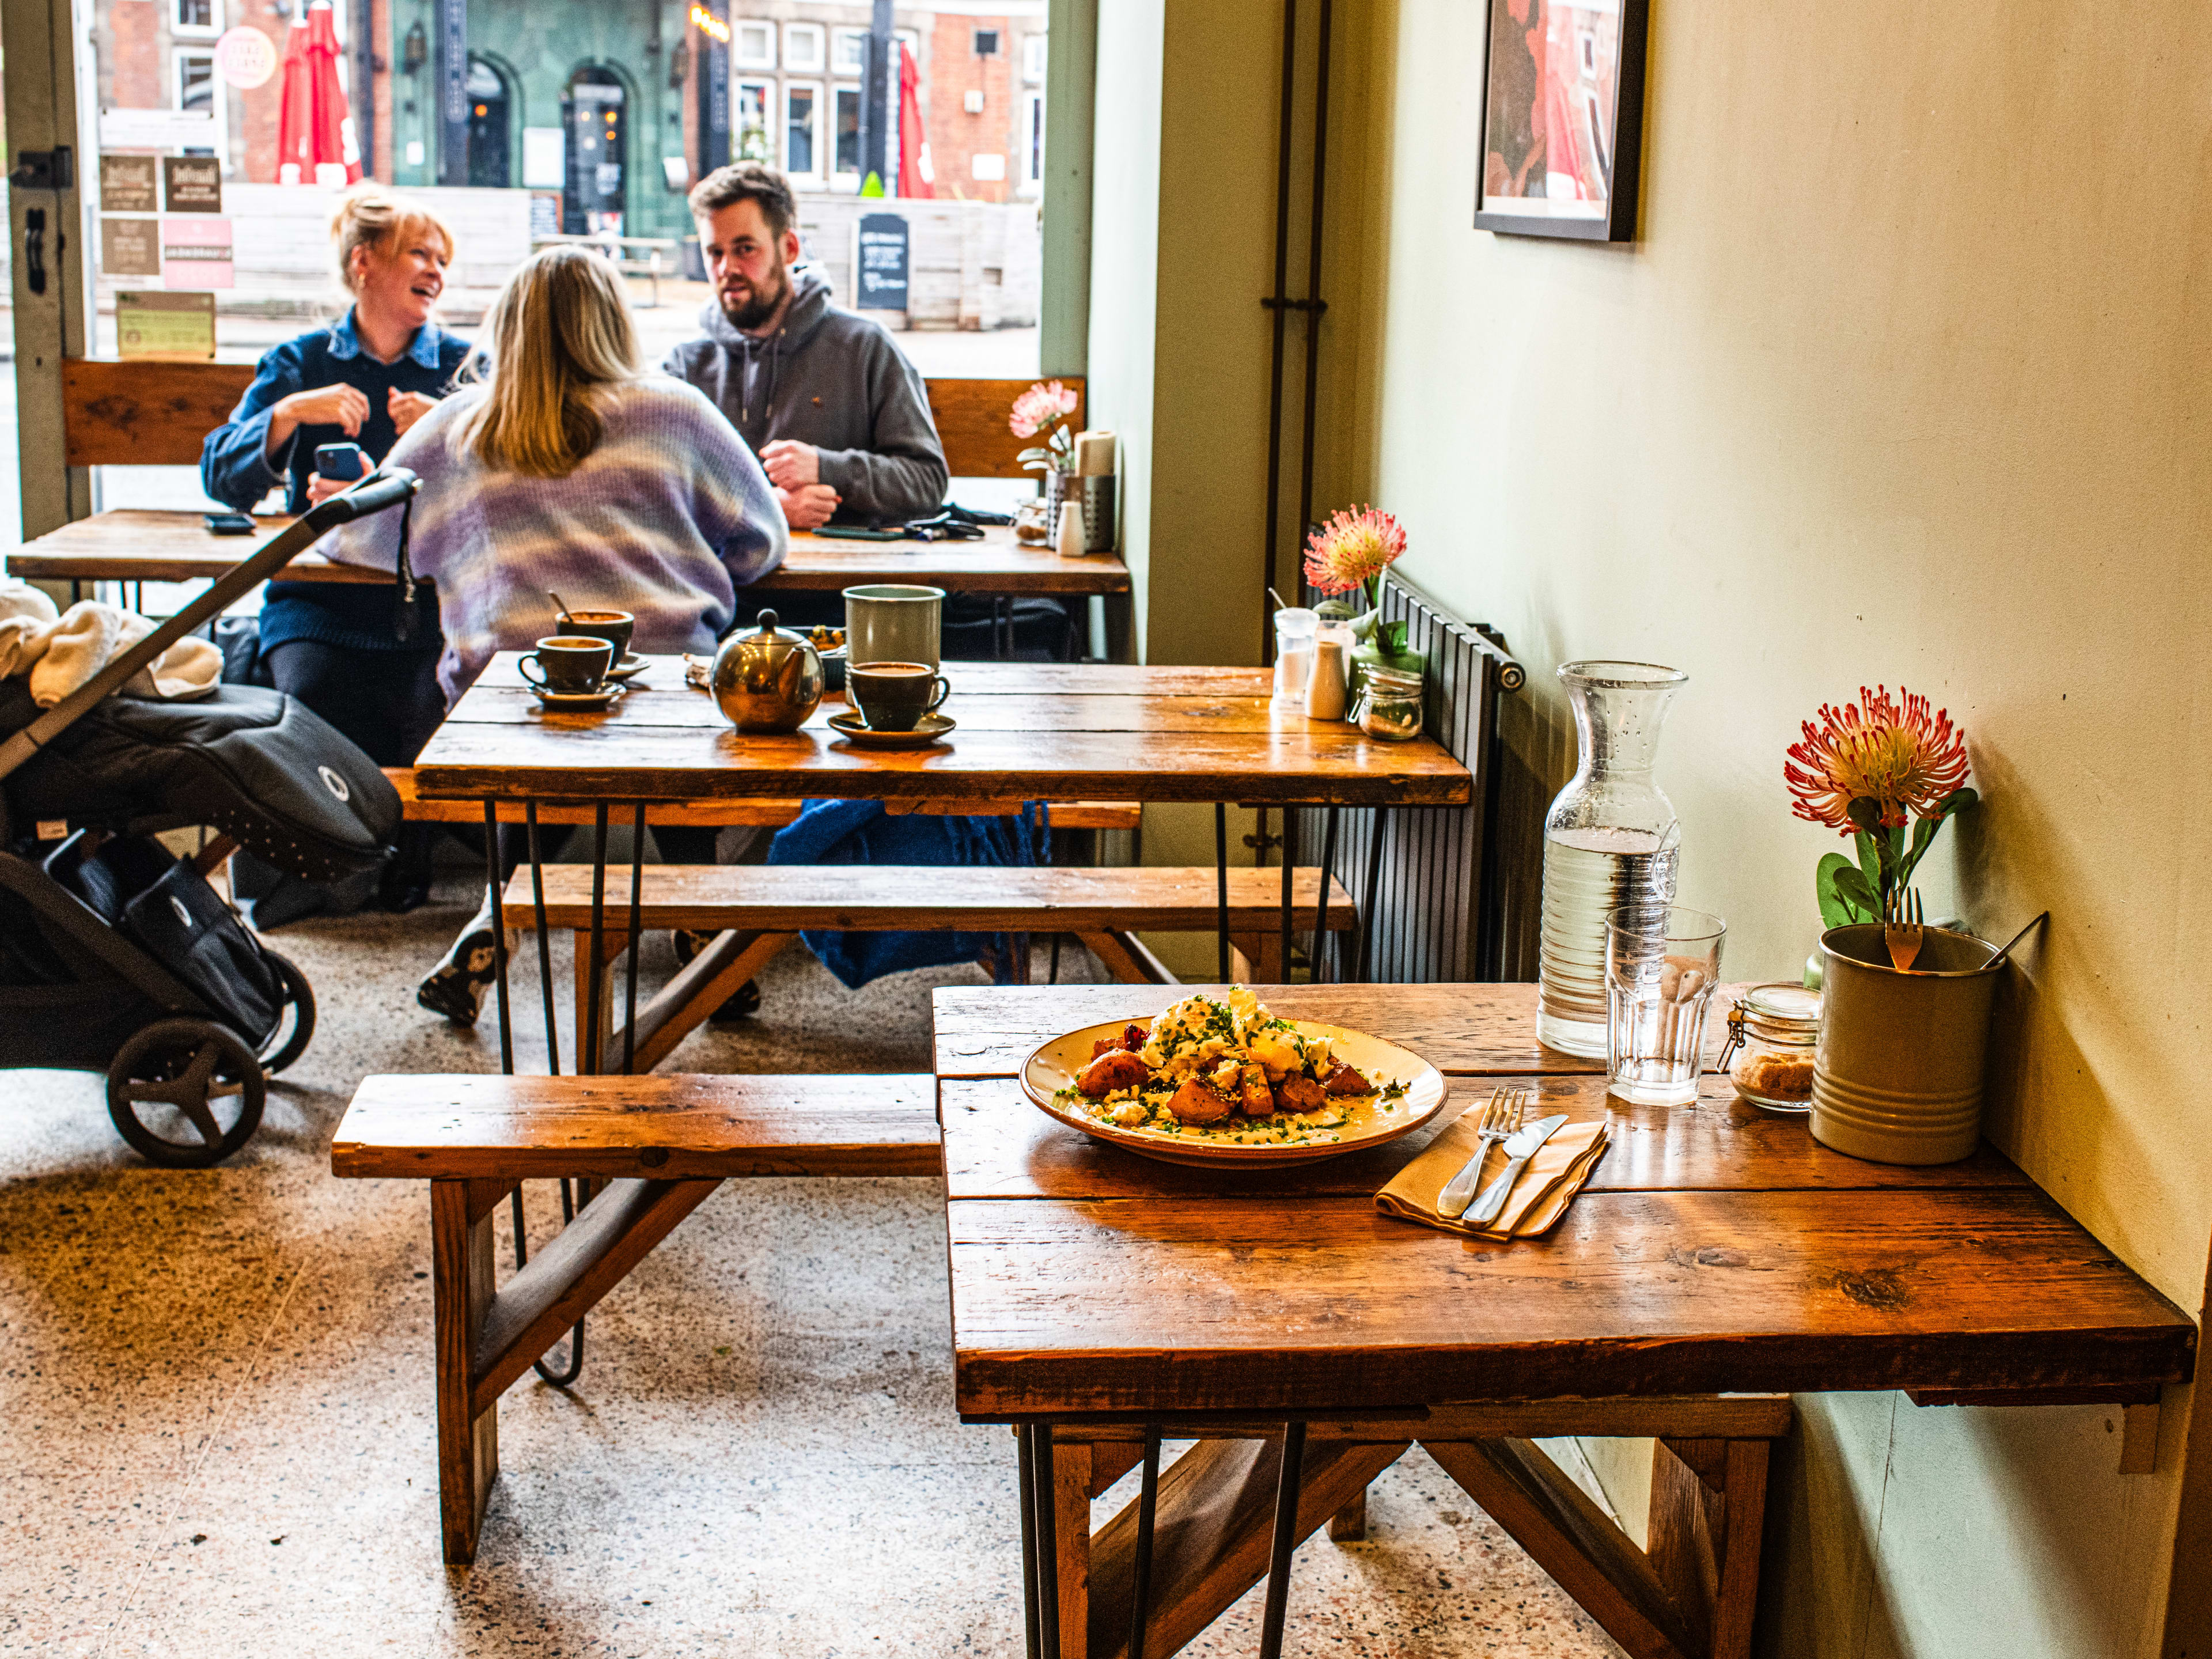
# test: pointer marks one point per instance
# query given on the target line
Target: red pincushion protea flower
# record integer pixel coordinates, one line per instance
(1042, 406)
(1352, 549)
(1893, 753)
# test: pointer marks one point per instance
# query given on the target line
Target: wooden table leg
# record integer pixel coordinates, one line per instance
(1692, 1594)
(461, 1295)
(1349, 1525)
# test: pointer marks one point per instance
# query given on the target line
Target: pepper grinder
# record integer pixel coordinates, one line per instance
(1325, 685)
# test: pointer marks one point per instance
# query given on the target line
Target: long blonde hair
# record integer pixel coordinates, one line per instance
(371, 217)
(559, 331)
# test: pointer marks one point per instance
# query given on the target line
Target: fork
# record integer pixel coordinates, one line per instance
(1500, 1118)
(1901, 929)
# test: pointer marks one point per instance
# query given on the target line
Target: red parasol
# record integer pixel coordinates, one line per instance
(915, 175)
(313, 141)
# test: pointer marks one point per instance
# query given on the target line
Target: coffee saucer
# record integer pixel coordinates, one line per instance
(930, 729)
(629, 665)
(578, 702)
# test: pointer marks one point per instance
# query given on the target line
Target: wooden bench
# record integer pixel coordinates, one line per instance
(150, 414)
(756, 910)
(649, 1149)
(767, 814)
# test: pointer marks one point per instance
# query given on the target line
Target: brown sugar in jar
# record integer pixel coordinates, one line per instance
(1769, 1056)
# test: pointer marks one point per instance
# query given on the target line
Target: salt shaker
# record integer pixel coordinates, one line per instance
(1325, 685)
(1067, 541)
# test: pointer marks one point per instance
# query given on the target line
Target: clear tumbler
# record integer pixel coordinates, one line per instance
(1661, 963)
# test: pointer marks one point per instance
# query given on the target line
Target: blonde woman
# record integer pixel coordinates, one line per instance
(366, 380)
(564, 466)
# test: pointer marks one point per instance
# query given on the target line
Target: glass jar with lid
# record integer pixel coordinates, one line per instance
(1389, 705)
(1769, 1057)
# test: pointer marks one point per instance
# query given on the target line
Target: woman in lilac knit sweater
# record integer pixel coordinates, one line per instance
(566, 467)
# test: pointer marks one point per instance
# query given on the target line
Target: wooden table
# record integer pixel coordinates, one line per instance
(1718, 1250)
(1027, 732)
(139, 545)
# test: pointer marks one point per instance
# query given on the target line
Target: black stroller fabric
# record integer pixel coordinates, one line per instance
(253, 764)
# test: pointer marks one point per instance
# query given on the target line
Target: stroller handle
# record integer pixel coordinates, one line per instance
(374, 494)
(384, 489)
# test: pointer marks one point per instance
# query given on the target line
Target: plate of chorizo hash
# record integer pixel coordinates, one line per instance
(1211, 1081)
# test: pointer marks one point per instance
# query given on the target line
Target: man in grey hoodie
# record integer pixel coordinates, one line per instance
(830, 406)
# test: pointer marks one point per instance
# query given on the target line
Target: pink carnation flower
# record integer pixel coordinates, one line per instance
(1041, 406)
(1352, 548)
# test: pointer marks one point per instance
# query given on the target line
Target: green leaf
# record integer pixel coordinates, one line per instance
(1391, 636)
(1870, 860)
(1865, 814)
(1834, 911)
(1854, 890)
(1957, 801)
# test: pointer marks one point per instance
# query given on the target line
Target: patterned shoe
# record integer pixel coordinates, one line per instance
(688, 942)
(456, 986)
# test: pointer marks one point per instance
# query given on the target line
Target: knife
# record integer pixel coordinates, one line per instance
(1518, 1151)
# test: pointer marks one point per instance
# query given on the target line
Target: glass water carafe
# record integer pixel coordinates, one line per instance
(1610, 839)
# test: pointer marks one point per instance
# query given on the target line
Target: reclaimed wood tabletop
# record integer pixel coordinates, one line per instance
(1717, 1249)
(1026, 731)
(146, 544)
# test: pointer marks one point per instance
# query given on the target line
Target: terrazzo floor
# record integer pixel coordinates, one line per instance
(216, 1434)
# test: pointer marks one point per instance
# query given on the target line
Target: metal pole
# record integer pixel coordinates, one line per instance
(1148, 1499)
(544, 941)
(589, 1059)
(1290, 865)
(1221, 881)
(1280, 303)
(492, 885)
(1320, 916)
(877, 112)
(1286, 1529)
(1033, 1644)
(1374, 886)
(1314, 306)
(629, 984)
(1048, 1544)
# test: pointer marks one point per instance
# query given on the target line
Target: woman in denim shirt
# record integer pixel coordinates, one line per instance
(366, 379)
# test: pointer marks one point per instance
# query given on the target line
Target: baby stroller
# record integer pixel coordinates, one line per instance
(116, 955)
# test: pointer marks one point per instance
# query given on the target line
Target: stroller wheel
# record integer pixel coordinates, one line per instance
(290, 1040)
(185, 1093)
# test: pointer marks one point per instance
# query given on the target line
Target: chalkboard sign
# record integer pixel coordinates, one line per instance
(883, 275)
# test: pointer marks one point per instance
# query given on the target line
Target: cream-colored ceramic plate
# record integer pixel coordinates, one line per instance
(1054, 1066)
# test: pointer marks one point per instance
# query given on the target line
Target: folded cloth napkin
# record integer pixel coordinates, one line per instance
(1538, 1200)
(61, 654)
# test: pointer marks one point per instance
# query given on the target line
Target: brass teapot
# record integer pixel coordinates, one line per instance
(767, 680)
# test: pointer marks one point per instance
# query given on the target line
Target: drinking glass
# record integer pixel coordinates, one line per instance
(1661, 963)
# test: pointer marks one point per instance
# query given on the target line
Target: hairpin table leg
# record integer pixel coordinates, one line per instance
(1032, 1644)
(1221, 880)
(1374, 888)
(1148, 1499)
(492, 885)
(1287, 1538)
(1048, 1543)
(1321, 915)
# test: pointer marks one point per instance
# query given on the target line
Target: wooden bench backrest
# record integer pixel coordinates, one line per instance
(143, 414)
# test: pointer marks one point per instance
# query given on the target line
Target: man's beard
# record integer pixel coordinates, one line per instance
(753, 312)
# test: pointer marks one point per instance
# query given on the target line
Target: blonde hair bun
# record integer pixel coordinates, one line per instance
(372, 216)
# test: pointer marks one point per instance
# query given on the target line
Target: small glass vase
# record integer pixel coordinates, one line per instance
(1610, 839)
(1369, 655)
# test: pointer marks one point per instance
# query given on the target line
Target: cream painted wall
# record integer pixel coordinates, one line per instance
(1907, 380)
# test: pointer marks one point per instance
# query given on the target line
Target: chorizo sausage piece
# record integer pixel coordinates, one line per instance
(1198, 1102)
(1117, 1068)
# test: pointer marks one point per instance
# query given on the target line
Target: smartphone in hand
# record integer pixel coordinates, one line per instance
(341, 463)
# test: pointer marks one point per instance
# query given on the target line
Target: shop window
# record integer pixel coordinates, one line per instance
(847, 116)
(803, 47)
(1032, 143)
(754, 139)
(195, 17)
(802, 139)
(752, 45)
(1033, 58)
(199, 89)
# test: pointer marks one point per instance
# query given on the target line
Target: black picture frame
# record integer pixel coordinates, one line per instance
(1612, 149)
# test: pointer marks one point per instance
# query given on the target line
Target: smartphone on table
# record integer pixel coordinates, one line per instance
(229, 524)
(341, 463)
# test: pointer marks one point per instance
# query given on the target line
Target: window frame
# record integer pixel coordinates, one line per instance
(799, 65)
(758, 28)
(181, 30)
(841, 35)
(1036, 47)
(814, 175)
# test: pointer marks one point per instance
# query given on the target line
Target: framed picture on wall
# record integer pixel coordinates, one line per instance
(1562, 118)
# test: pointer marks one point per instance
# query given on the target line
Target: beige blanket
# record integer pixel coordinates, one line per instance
(60, 653)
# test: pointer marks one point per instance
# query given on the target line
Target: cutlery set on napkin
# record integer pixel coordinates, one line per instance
(1493, 1174)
